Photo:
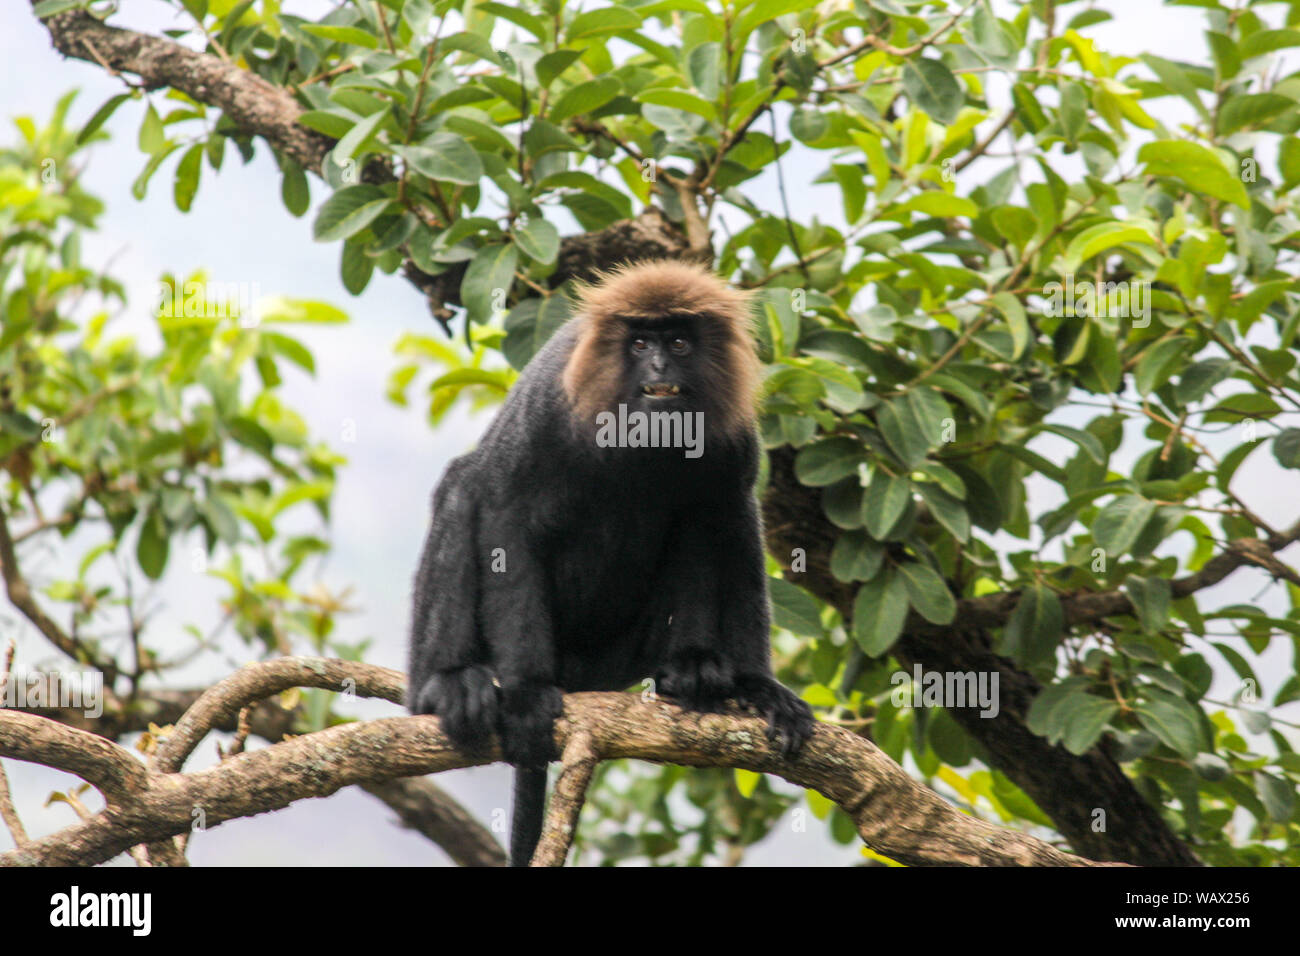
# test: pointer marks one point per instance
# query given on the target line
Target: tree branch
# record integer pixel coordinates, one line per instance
(576, 767)
(895, 815)
(420, 804)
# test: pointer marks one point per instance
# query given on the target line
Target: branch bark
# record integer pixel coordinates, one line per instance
(420, 804)
(894, 814)
(576, 767)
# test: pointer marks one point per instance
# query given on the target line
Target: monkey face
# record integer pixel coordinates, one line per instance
(662, 367)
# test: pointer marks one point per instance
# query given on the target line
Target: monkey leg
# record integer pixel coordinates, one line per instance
(448, 675)
(746, 629)
(691, 664)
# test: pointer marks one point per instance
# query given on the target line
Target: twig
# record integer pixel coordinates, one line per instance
(785, 202)
(576, 767)
(7, 811)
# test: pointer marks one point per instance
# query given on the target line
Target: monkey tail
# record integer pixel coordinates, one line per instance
(530, 804)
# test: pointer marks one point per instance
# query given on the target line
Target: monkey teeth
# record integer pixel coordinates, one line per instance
(661, 391)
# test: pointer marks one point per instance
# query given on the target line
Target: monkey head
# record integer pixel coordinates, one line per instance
(664, 336)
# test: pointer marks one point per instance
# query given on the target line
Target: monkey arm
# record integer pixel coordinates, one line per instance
(519, 633)
(443, 622)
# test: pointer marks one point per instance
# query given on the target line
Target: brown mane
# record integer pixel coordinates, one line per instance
(659, 289)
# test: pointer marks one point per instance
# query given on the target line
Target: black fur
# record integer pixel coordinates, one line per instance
(620, 564)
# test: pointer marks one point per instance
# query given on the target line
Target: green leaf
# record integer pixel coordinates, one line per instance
(1174, 721)
(936, 203)
(153, 545)
(101, 116)
(294, 189)
(1035, 626)
(48, 8)
(279, 309)
(883, 504)
(1083, 718)
(1286, 447)
(1014, 313)
(1198, 378)
(603, 22)
(1117, 526)
(152, 135)
(877, 322)
(445, 157)
(1198, 167)
(794, 610)
(550, 66)
(856, 557)
(1151, 597)
(584, 98)
(353, 36)
(1101, 237)
(355, 267)
(187, 177)
(1266, 41)
(539, 240)
(352, 140)
(947, 510)
(913, 423)
(879, 611)
(928, 593)
(488, 279)
(530, 324)
(827, 461)
(1158, 363)
(1253, 110)
(1086, 441)
(931, 86)
(349, 211)
(1277, 794)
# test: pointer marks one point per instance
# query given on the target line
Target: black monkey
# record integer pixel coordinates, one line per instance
(567, 553)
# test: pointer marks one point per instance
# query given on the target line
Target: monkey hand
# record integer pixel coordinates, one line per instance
(789, 718)
(466, 700)
(526, 722)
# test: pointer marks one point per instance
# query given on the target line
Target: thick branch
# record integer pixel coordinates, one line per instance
(112, 769)
(260, 108)
(894, 814)
(257, 107)
(420, 804)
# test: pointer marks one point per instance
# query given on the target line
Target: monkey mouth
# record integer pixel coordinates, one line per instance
(661, 390)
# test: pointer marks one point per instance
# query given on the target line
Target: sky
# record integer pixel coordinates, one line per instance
(238, 230)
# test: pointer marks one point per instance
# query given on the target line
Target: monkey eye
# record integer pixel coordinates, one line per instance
(680, 346)
(640, 345)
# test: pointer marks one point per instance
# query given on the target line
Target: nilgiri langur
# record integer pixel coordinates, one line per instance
(605, 531)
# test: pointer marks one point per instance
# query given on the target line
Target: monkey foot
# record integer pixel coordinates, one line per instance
(527, 723)
(789, 718)
(699, 679)
(466, 700)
